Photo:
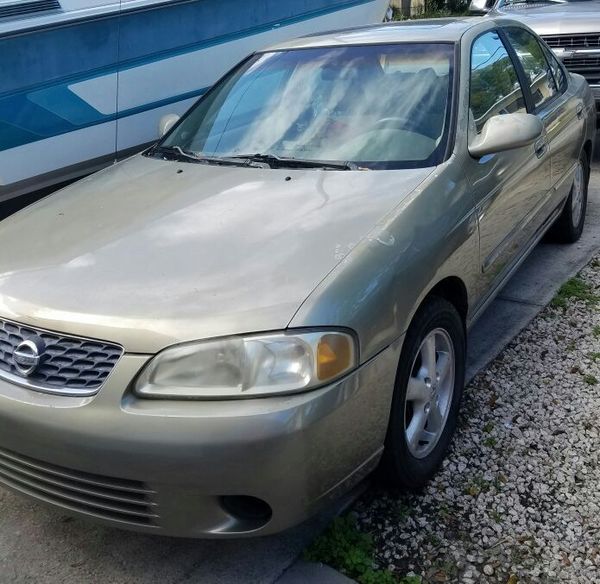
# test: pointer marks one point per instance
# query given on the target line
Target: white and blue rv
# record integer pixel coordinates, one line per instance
(84, 82)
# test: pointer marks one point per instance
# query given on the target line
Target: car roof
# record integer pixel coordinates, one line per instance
(422, 30)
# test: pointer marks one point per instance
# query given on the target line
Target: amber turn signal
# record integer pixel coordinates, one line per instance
(334, 356)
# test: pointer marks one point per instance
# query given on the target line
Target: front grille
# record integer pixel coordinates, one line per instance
(69, 365)
(573, 41)
(103, 497)
(588, 66)
(582, 53)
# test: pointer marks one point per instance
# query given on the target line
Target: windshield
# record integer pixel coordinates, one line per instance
(369, 106)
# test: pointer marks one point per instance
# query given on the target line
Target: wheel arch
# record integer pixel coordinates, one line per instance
(452, 289)
(588, 148)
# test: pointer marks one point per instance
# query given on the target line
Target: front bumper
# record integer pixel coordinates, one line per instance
(171, 467)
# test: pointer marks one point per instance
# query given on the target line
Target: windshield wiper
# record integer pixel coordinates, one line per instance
(271, 160)
(180, 153)
(275, 161)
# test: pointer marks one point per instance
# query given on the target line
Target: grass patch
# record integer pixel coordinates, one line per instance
(574, 289)
(590, 379)
(594, 356)
(343, 547)
(596, 331)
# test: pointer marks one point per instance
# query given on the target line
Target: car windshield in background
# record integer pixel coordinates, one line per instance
(343, 107)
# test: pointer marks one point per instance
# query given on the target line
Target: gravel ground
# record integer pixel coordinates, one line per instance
(518, 497)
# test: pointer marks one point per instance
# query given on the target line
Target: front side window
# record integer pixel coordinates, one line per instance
(537, 69)
(382, 106)
(495, 87)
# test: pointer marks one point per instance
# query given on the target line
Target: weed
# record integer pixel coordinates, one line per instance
(443, 572)
(477, 485)
(577, 289)
(433, 539)
(499, 482)
(350, 551)
(594, 356)
(590, 379)
(496, 516)
(444, 511)
(488, 427)
(596, 331)
(490, 441)
(401, 511)
(501, 478)
(344, 547)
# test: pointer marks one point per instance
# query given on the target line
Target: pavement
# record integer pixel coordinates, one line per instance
(40, 545)
(534, 285)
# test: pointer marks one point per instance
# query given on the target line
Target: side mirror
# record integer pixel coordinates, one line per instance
(166, 123)
(506, 132)
(479, 6)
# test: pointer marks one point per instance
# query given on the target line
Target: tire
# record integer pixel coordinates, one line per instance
(569, 226)
(410, 464)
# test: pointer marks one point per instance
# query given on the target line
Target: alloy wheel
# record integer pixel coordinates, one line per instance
(429, 393)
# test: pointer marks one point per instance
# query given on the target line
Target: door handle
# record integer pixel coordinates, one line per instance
(579, 111)
(541, 147)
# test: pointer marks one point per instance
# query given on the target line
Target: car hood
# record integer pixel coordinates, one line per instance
(150, 252)
(550, 18)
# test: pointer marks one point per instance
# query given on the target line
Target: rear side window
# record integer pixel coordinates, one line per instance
(559, 75)
(495, 87)
(537, 69)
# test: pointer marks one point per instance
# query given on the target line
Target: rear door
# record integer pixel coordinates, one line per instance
(560, 111)
(507, 186)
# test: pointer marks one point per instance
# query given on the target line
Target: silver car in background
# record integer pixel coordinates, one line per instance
(571, 28)
(218, 336)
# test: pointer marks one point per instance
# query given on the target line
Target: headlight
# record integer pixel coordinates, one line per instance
(249, 366)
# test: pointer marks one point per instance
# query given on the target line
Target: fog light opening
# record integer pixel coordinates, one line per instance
(247, 510)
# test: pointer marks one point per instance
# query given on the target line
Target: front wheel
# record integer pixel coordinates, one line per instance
(569, 226)
(427, 396)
